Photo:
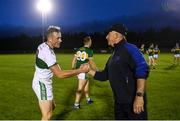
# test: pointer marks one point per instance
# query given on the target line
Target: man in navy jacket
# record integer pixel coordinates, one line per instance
(127, 71)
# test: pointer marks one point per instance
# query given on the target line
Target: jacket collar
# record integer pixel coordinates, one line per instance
(117, 45)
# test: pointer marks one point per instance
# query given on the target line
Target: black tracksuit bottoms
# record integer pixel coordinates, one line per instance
(125, 112)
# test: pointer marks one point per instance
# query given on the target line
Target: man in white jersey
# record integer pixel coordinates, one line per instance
(46, 65)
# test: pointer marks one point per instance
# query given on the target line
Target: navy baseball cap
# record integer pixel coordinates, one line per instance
(120, 28)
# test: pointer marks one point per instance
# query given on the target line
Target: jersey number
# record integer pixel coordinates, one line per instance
(82, 56)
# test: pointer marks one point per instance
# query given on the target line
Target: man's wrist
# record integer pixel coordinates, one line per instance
(139, 94)
(78, 71)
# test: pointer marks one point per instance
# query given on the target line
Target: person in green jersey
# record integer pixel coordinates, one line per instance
(83, 55)
(176, 51)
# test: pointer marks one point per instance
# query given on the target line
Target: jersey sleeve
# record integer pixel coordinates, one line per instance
(49, 58)
(90, 53)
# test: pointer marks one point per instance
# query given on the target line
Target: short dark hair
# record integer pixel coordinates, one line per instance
(52, 29)
(86, 39)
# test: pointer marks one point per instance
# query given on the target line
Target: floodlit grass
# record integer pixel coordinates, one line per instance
(18, 101)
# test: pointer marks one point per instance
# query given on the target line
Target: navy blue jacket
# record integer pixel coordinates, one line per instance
(123, 68)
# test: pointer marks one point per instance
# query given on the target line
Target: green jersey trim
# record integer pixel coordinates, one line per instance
(41, 64)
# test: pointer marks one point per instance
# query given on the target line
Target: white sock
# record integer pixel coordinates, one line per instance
(88, 98)
(76, 104)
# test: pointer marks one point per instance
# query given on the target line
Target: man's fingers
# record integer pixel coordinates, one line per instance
(138, 109)
(84, 67)
(138, 106)
(142, 108)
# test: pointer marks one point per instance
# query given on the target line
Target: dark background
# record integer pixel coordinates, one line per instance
(148, 21)
(23, 43)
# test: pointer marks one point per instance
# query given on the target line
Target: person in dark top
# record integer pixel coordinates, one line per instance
(127, 71)
(176, 51)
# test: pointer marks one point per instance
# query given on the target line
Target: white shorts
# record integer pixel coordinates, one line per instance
(81, 76)
(176, 55)
(42, 89)
(151, 57)
(155, 55)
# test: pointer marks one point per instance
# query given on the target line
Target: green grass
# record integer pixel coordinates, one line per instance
(18, 101)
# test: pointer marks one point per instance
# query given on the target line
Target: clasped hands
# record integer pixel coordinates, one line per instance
(85, 68)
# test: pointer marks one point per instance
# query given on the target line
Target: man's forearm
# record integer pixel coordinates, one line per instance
(138, 105)
(64, 74)
(141, 85)
(68, 73)
(73, 63)
(101, 76)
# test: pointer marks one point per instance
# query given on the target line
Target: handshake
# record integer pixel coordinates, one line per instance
(85, 68)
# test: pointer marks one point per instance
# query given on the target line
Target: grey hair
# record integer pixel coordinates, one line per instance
(52, 29)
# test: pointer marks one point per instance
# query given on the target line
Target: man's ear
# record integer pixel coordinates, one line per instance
(50, 38)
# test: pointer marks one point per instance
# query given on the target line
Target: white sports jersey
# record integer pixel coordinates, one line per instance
(45, 58)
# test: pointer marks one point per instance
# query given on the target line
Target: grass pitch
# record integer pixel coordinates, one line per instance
(18, 101)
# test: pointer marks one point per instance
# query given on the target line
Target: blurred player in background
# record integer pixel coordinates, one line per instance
(156, 54)
(142, 49)
(83, 55)
(150, 52)
(176, 51)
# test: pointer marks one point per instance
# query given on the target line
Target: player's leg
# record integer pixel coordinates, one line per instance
(46, 107)
(155, 59)
(81, 85)
(177, 59)
(157, 56)
(86, 92)
(46, 103)
(44, 94)
(79, 91)
(174, 59)
(154, 56)
(153, 63)
(149, 60)
(86, 89)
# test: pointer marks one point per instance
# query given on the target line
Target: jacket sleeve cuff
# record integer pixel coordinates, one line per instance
(100, 76)
(142, 77)
(96, 75)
